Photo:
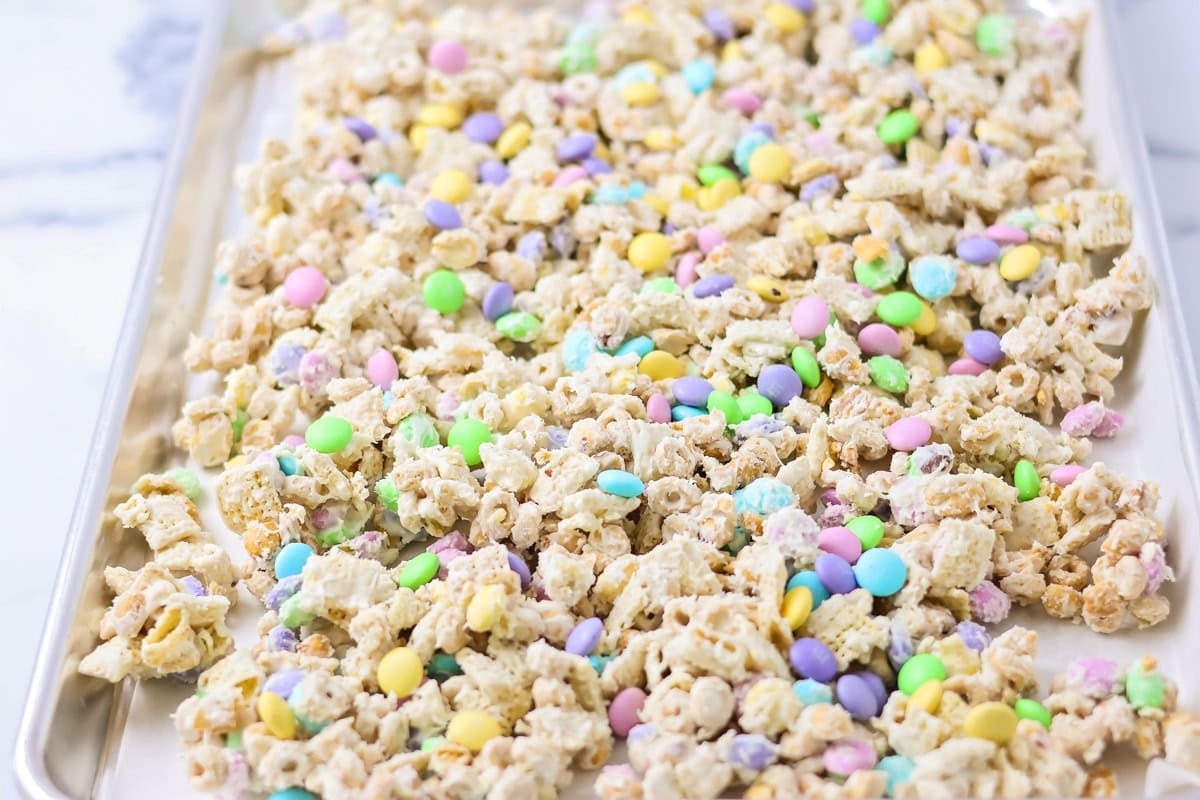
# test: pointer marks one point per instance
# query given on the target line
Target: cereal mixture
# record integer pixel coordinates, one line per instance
(713, 377)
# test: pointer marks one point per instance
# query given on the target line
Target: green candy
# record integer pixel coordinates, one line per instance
(329, 434)
(1144, 690)
(418, 429)
(1032, 709)
(519, 326)
(876, 10)
(807, 114)
(898, 127)
(752, 404)
(660, 285)
(467, 435)
(431, 743)
(711, 173)
(419, 571)
(188, 480)
(1025, 478)
(333, 536)
(888, 374)
(919, 670)
(1025, 218)
(577, 57)
(291, 615)
(724, 402)
(239, 424)
(868, 529)
(442, 666)
(899, 309)
(806, 366)
(880, 273)
(233, 740)
(443, 291)
(387, 493)
(994, 35)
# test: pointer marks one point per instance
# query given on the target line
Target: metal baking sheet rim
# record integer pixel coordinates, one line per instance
(30, 765)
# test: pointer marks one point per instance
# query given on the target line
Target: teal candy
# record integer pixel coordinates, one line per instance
(635, 189)
(679, 413)
(878, 54)
(443, 665)
(288, 464)
(388, 399)
(764, 496)
(578, 346)
(881, 572)
(310, 725)
(640, 345)
(388, 179)
(610, 195)
(749, 142)
(698, 75)
(638, 72)
(932, 277)
(620, 483)
(291, 558)
(292, 793)
(812, 692)
(809, 579)
(898, 769)
(599, 663)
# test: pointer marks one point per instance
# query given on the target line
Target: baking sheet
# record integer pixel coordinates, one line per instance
(82, 738)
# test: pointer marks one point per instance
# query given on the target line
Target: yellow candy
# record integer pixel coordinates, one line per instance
(472, 729)
(927, 698)
(732, 51)
(514, 139)
(453, 186)
(926, 323)
(485, 608)
(639, 93)
(660, 139)
(649, 251)
(236, 461)
(784, 17)
(797, 605)
(274, 712)
(657, 202)
(726, 189)
(400, 672)
(994, 721)
(812, 232)
(929, 58)
(657, 68)
(418, 136)
(440, 115)
(770, 163)
(768, 289)
(1020, 262)
(660, 365)
(637, 15)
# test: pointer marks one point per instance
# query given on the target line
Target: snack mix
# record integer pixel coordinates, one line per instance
(712, 378)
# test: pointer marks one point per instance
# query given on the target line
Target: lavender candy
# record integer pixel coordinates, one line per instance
(977, 250)
(575, 147)
(497, 300)
(284, 363)
(779, 383)
(751, 750)
(282, 639)
(193, 586)
(863, 30)
(442, 215)
(281, 591)
(691, 391)
(584, 637)
(804, 6)
(518, 565)
(719, 24)
(558, 436)
(364, 130)
(596, 166)
(283, 682)
(900, 644)
(493, 172)
(812, 658)
(876, 684)
(562, 241)
(483, 127)
(765, 128)
(532, 246)
(835, 573)
(712, 286)
(822, 184)
(974, 635)
(856, 696)
(983, 346)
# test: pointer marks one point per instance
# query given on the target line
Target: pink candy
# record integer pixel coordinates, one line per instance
(878, 339)
(344, 171)
(967, 366)
(1092, 419)
(570, 175)
(448, 56)
(1006, 234)
(849, 757)
(908, 434)
(1065, 476)
(304, 287)
(810, 317)
(658, 409)
(685, 271)
(743, 100)
(293, 441)
(818, 142)
(709, 239)
(840, 541)
(382, 369)
(988, 603)
(624, 709)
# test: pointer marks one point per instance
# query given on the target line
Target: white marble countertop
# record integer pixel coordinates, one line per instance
(93, 88)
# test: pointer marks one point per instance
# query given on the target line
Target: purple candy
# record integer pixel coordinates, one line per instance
(983, 346)
(596, 166)
(720, 24)
(585, 636)
(558, 436)
(812, 658)
(444, 216)
(876, 684)
(282, 591)
(765, 128)
(562, 241)
(518, 565)
(856, 696)
(284, 362)
(483, 127)
(977, 250)
(493, 172)
(576, 146)
(806, 6)
(193, 586)
(988, 154)
(900, 644)
(779, 383)
(955, 127)
(532, 246)
(1092, 677)
(751, 750)
(281, 639)
(364, 130)
(691, 391)
(641, 732)
(822, 184)
(835, 573)
(497, 301)
(283, 682)
(863, 30)
(974, 635)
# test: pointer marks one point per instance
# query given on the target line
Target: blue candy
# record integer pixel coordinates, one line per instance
(291, 558)
(293, 793)
(881, 572)
(288, 464)
(764, 496)
(899, 770)
(599, 663)
(698, 75)
(620, 483)
(635, 189)
(686, 412)
(639, 344)
(609, 195)
(750, 141)
(583, 34)
(578, 346)
(878, 54)
(638, 72)
(932, 277)
(812, 692)
(388, 399)
(809, 579)
(388, 179)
